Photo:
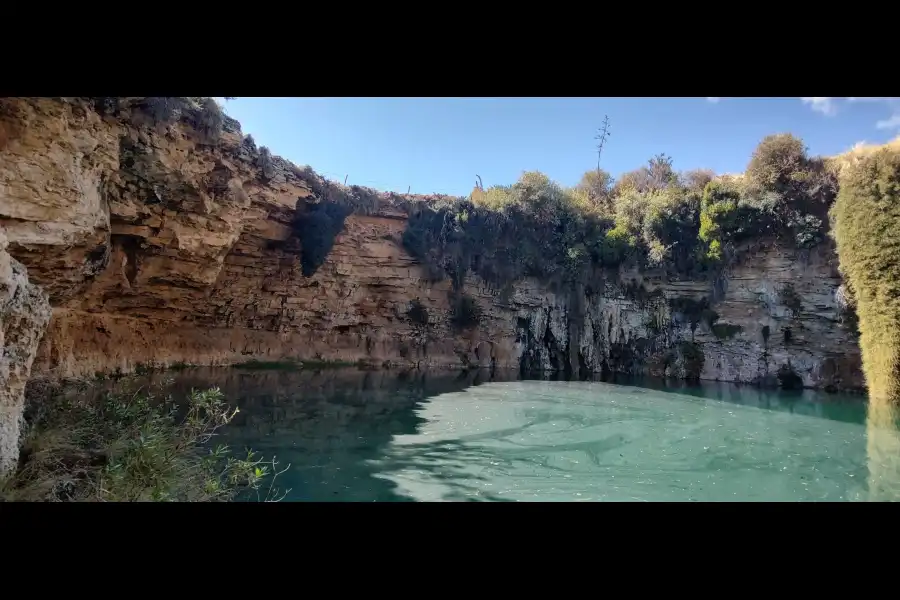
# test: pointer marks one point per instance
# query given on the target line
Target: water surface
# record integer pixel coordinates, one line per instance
(381, 436)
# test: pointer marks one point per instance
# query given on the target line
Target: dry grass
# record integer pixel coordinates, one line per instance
(135, 447)
(857, 153)
(866, 218)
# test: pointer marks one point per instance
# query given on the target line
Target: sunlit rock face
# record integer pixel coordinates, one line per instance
(157, 245)
(24, 313)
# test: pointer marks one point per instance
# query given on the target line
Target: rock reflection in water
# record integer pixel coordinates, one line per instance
(545, 441)
(328, 424)
(352, 435)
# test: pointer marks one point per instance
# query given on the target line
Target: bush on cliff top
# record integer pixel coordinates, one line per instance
(866, 220)
(134, 448)
(688, 223)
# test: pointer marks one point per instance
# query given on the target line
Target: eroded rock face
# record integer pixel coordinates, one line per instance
(158, 245)
(24, 313)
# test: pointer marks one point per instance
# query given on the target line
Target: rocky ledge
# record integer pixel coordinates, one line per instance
(163, 235)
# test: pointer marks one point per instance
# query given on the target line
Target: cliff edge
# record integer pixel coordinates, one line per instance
(162, 235)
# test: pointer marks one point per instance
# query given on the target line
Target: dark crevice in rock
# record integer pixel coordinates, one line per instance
(130, 245)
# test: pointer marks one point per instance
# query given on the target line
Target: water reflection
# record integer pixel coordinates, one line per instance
(330, 425)
(354, 435)
(883, 450)
(552, 441)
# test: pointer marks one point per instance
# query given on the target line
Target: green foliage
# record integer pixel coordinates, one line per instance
(594, 191)
(779, 163)
(135, 448)
(807, 229)
(614, 247)
(866, 217)
(793, 190)
(494, 198)
(693, 359)
(718, 217)
(533, 228)
(687, 224)
(670, 228)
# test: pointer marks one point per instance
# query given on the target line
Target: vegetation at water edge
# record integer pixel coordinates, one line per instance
(137, 447)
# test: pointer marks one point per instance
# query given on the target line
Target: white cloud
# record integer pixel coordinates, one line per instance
(829, 107)
(712, 99)
(824, 105)
(892, 122)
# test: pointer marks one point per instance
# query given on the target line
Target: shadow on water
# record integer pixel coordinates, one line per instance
(332, 425)
(335, 427)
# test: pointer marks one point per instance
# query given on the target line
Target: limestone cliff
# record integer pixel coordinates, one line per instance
(165, 236)
(24, 313)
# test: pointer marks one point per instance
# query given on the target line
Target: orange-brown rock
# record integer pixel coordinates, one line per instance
(159, 243)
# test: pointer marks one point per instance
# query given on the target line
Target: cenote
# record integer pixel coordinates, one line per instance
(384, 436)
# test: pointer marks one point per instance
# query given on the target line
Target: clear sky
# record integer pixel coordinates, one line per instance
(439, 144)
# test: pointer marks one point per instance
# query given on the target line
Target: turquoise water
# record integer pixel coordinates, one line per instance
(379, 436)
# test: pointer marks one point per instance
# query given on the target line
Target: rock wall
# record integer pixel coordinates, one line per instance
(160, 244)
(24, 313)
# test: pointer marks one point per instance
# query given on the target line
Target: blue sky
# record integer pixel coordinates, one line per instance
(440, 144)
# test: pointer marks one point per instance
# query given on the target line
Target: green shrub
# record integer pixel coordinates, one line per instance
(778, 164)
(807, 229)
(717, 221)
(693, 359)
(688, 224)
(671, 227)
(594, 191)
(134, 448)
(866, 217)
(613, 247)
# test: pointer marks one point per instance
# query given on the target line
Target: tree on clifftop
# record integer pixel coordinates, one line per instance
(866, 218)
